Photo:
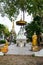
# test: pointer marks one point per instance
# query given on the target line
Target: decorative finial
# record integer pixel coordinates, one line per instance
(12, 18)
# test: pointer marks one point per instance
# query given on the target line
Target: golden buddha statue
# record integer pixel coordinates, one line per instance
(4, 49)
(34, 39)
(34, 43)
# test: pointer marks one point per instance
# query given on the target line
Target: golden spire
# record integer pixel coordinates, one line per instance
(13, 27)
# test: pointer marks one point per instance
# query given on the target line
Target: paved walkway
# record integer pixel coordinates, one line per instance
(13, 49)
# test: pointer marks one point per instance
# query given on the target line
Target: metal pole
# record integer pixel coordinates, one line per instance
(23, 15)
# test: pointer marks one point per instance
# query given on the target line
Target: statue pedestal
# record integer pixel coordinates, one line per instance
(21, 42)
(35, 48)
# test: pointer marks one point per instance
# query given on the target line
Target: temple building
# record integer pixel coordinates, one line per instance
(21, 38)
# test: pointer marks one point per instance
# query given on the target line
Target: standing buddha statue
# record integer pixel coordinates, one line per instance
(34, 42)
(34, 39)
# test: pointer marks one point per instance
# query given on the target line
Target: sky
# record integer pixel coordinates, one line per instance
(5, 21)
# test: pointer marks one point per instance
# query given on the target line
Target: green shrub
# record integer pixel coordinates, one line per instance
(14, 41)
(2, 41)
(33, 55)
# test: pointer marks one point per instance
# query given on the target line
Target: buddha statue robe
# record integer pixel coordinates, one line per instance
(34, 40)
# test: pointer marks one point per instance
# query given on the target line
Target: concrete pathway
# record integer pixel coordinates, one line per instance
(13, 49)
(39, 53)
